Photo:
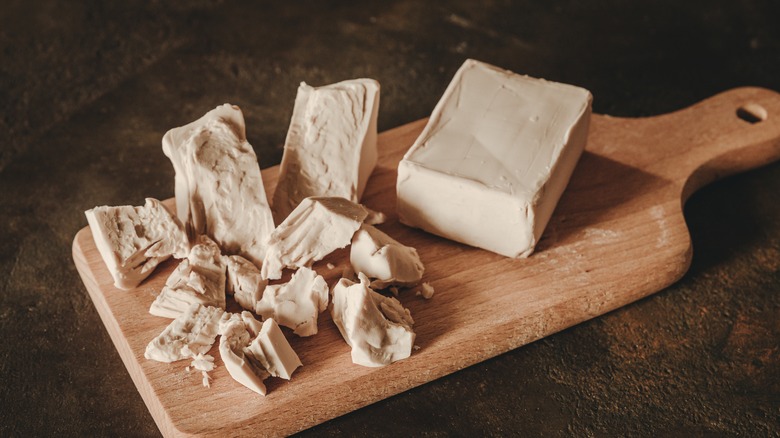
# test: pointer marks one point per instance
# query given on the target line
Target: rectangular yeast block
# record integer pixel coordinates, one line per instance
(494, 158)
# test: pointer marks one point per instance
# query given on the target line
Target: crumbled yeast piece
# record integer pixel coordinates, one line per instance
(384, 259)
(271, 349)
(198, 279)
(133, 240)
(219, 188)
(378, 328)
(235, 339)
(252, 352)
(191, 334)
(203, 362)
(330, 148)
(316, 228)
(244, 282)
(296, 304)
(426, 291)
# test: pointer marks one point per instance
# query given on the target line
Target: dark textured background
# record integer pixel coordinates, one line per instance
(89, 88)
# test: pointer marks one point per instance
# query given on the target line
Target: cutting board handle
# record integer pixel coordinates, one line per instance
(728, 133)
(731, 132)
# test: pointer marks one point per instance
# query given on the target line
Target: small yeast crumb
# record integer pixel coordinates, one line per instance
(426, 291)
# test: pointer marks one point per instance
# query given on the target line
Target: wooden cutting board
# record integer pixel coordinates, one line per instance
(617, 235)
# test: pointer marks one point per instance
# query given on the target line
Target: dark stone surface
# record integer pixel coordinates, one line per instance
(89, 88)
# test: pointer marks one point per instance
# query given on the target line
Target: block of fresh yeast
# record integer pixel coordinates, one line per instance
(494, 158)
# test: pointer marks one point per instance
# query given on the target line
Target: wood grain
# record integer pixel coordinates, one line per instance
(617, 235)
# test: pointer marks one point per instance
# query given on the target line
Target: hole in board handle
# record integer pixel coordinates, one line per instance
(752, 113)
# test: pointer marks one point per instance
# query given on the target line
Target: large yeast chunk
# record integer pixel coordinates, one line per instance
(235, 339)
(200, 278)
(331, 144)
(133, 240)
(316, 228)
(494, 158)
(219, 189)
(378, 328)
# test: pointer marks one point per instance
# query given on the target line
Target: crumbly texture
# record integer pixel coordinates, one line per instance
(133, 240)
(244, 282)
(697, 358)
(297, 303)
(317, 227)
(191, 334)
(200, 278)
